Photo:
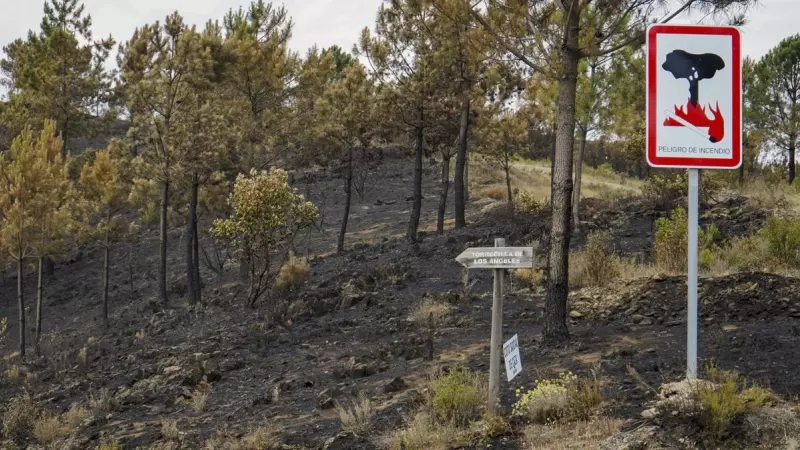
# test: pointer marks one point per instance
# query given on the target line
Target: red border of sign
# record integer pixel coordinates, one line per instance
(652, 124)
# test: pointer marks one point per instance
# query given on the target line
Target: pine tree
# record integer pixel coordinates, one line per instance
(262, 71)
(344, 119)
(59, 73)
(160, 65)
(104, 191)
(774, 97)
(504, 141)
(400, 58)
(53, 209)
(552, 37)
(27, 185)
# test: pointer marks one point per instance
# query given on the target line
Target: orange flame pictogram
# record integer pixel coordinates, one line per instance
(696, 115)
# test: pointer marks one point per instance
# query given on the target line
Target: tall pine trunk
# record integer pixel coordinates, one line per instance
(466, 178)
(39, 291)
(460, 179)
(416, 209)
(507, 170)
(106, 262)
(192, 283)
(162, 269)
(198, 282)
(552, 163)
(555, 315)
(21, 305)
(443, 195)
(576, 193)
(348, 193)
(792, 166)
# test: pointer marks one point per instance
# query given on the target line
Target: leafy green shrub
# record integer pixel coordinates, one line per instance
(671, 242)
(596, 265)
(727, 399)
(605, 169)
(783, 240)
(564, 398)
(266, 216)
(19, 418)
(526, 204)
(457, 397)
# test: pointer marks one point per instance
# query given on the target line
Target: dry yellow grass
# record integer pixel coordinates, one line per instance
(357, 416)
(423, 433)
(493, 192)
(529, 277)
(199, 397)
(293, 273)
(75, 417)
(262, 438)
(428, 308)
(629, 270)
(777, 197)
(103, 403)
(170, 431)
(487, 180)
(48, 429)
(570, 436)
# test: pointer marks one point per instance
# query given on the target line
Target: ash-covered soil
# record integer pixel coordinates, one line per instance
(353, 332)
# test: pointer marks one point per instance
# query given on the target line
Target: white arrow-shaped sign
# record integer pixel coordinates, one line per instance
(497, 258)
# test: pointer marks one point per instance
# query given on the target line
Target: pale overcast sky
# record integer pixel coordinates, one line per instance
(324, 22)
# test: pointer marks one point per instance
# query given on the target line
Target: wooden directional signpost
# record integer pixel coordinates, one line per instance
(498, 258)
(694, 120)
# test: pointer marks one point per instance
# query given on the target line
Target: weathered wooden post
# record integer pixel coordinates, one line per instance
(497, 258)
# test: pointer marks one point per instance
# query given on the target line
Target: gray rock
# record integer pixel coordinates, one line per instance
(325, 399)
(396, 385)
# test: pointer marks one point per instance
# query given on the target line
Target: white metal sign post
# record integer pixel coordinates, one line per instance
(694, 120)
(498, 258)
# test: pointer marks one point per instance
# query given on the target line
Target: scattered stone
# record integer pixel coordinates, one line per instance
(261, 401)
(646, 321)
(649, 413)
(205, 368)
(575, 314)
(637, 318)
(325, 399)
(396, 385)
(232, 365)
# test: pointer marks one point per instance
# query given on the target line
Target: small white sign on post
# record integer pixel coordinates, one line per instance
(511, 356)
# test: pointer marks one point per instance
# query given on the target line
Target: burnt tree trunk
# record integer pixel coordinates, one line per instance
(21, 305)
(553, 162)
(443, 195)
(191, 230)
(507, 170)
(162, 268)
(106, 261)
(39, 291)
(198, 284)
(416, 209)
(576, 193)
(48, 267)
(348, 195)
(792, 166)
(460, 179)
(555, 316)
